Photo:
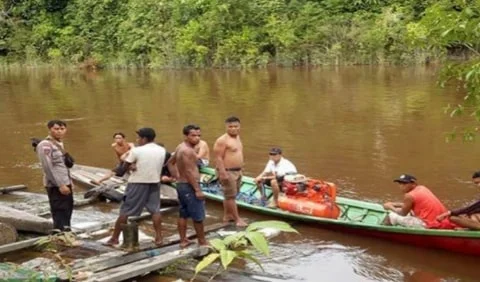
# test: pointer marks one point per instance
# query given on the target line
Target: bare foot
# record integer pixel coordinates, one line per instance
(241, 223)
(272, 205)
(95, 182)
(228, 220)
(185, 244)
(111, 242)
(158, 241)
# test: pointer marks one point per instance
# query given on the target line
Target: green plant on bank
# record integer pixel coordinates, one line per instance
(208, 33)
(172, 268)
(51, 243)
(453, 27)
(241, 245)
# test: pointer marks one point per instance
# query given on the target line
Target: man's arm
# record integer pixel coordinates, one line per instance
(219, 149)
(407, 205)
(191, 171)
(172, 168)
(202, 150)
(470, 209)
(130, 158)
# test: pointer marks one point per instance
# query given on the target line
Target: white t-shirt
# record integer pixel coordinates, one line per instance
(149, 160)
(283, 167)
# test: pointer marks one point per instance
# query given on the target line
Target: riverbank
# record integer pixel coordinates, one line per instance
(181, 34)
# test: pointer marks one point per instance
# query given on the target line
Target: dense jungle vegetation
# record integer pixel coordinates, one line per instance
(234, 33)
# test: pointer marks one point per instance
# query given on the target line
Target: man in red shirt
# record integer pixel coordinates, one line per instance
(420, 201)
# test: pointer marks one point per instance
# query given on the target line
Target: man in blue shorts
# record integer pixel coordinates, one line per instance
(190, 195)
(143, 188)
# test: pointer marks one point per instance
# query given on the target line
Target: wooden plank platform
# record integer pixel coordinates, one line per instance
(147, 265)
(31, 242)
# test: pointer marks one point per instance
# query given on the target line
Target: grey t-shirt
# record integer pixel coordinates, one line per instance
(55, 172)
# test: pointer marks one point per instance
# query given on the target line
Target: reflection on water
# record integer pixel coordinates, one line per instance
(356, 126)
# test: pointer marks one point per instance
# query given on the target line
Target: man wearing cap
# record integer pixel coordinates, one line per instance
(275, 170)
(143, 188)
(426, 207)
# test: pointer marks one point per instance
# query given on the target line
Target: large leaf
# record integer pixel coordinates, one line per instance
(227, 256)
(206, 261)
(275, 224)
(233, 238)
(247, 255)
(258, 241)
(218, 244)
(240, 243)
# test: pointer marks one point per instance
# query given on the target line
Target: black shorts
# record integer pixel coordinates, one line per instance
(268, 182)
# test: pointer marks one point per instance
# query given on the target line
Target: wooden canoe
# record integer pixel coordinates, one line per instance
(357, 217)
(24, 221)
(114, 188)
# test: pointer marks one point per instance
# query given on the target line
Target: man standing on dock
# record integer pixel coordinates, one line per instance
(56, 178)
(190, 195)
(228, 151)
(143, 188)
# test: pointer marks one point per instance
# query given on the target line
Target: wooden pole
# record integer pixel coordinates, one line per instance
(8, 189)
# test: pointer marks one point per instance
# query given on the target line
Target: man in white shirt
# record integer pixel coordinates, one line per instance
(275, 170)
(143, 188)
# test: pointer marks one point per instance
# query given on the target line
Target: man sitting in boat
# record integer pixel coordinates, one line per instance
(466, 217)
(426, 207)
(121, 148)
(275, 170)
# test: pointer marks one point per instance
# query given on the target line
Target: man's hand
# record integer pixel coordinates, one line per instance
(64, 190)
(389, 206)
(444, 215)
(167, 179)
(223, 176)
(133, 167)
(199, 194)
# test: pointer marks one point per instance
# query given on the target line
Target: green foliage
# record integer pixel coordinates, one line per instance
(241, 245)
(453, 27)
(51, 243)
(213, 33)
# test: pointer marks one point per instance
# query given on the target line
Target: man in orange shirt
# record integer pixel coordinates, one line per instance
(426, 207)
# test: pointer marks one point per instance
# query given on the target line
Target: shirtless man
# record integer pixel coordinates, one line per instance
(228, 150)
(190, 195)
(203, 153)
(121, 148)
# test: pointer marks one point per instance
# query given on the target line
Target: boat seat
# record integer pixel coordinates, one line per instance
(344, 213)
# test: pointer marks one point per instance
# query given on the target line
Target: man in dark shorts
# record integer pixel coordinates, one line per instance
(143, 188)
(190, 195)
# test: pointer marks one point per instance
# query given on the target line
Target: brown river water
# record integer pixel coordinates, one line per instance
(356, 126)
